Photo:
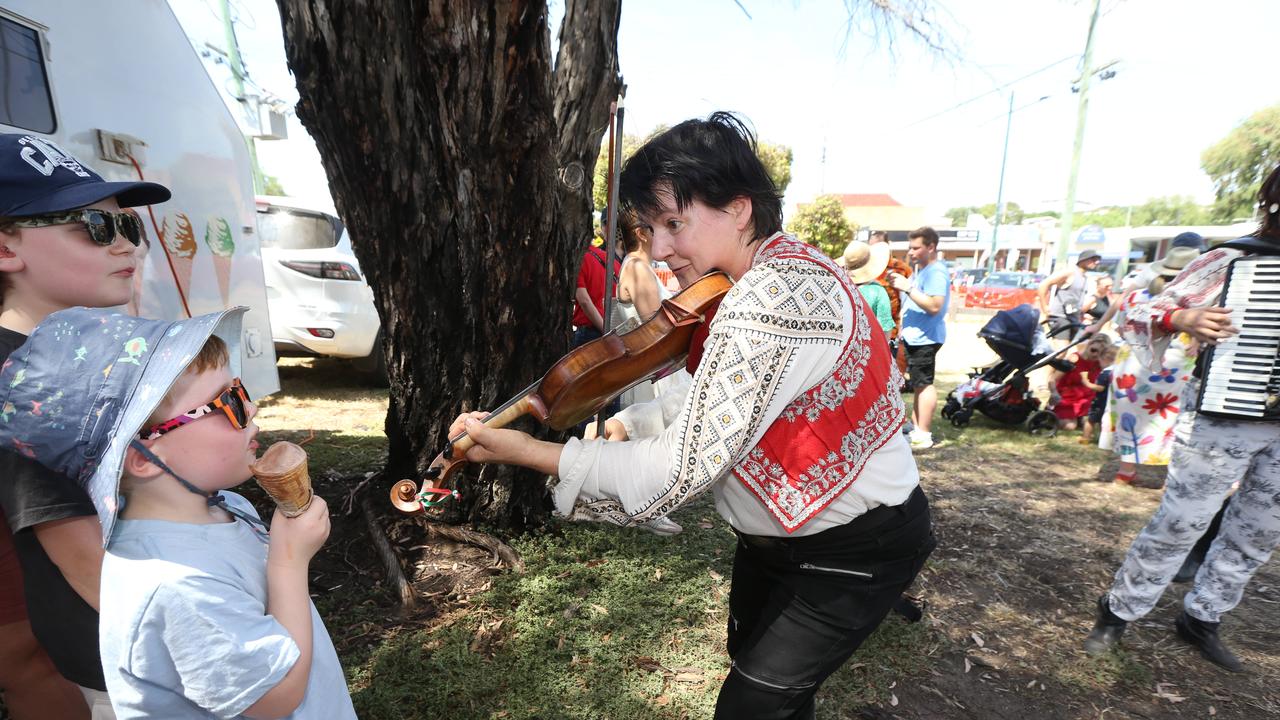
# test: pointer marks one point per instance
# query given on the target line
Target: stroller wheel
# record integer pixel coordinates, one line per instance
(960, 418)
(947, 411)
(1042, 423)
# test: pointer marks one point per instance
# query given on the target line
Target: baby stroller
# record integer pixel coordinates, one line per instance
(1002, 391)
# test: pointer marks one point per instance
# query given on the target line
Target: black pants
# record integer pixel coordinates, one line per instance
(800, 607)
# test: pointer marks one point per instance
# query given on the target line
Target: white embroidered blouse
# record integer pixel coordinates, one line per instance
(779, 332)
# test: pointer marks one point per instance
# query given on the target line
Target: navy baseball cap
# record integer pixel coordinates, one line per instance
(38, 177)
(1189, 240)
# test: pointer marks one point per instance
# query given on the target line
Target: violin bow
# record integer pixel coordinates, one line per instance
(616, 110)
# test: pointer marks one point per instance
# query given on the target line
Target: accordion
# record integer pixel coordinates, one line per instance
(1241, 375)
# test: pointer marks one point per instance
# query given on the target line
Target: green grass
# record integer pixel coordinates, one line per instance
(587, 630)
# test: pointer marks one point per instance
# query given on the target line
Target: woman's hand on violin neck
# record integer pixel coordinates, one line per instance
(509, 447)
(459, 426)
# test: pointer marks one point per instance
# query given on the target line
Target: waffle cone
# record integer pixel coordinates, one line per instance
(282, 472)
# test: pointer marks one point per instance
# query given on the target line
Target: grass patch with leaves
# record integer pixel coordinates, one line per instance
(603, 623)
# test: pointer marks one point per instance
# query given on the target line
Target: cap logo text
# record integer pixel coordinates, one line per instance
(53, 157)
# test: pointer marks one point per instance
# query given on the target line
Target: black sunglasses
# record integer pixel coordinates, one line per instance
(103, 226)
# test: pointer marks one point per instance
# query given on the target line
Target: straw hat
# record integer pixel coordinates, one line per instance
(1173, 263)
(864, 262)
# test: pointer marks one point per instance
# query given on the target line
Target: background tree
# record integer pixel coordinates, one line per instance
(1167, 210)
(777, 162)
(1013, 214)
(461, 161)
(1238, 163)
(271, 185)
(822, 223)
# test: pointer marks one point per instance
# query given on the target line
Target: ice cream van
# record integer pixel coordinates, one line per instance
(118, 86)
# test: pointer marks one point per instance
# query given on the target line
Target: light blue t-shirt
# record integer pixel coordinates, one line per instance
(918, 326)
(184, 627)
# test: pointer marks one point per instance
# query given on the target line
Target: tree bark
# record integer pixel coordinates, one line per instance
(440, 131)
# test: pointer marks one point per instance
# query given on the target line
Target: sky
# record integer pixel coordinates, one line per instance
(867, 113)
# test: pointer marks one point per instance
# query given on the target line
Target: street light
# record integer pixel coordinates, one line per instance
(1004, 161)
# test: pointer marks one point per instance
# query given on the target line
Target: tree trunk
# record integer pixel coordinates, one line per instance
(443, 142)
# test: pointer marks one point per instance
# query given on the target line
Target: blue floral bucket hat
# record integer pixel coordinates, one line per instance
(78, 391)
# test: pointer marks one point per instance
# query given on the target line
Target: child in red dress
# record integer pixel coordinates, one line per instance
(1074, 391)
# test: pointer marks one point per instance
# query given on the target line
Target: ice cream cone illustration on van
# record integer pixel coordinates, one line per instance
(180, 242)
(217, 236)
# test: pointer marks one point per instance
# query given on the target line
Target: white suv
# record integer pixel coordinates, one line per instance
(316, 294)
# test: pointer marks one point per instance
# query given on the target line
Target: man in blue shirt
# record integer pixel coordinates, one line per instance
(924, 326)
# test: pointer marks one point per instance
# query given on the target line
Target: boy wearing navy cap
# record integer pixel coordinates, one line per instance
(63, 242)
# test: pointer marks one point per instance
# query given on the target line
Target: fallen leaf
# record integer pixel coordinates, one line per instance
(572, 609)
(706, 525)
(693, 678)
(893, 700)
(600, 609)
(977, 639)
(560, 643)
(1212, 711)
(649, 664)
(657, 574)
(662, 700)
(968, 665)
(1031, 684)
(1164, 694)
(564, 574)
(715, 575)
(604, 639)
(597, 562)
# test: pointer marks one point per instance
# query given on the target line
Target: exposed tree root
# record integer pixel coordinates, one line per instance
(390, 561)
(502, 552)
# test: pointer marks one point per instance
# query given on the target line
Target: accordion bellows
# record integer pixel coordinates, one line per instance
(282, 472)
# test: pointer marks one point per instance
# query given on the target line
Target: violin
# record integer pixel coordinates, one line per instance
(585, 380)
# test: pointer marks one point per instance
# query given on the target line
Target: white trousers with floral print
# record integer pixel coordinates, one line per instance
(1209, 455)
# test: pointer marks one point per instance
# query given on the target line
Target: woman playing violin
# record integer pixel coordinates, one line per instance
(793, 421)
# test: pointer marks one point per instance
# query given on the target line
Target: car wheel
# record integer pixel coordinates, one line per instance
(374, 367)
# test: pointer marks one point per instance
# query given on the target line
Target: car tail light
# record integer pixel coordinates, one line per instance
(325, 333)
(323, 270)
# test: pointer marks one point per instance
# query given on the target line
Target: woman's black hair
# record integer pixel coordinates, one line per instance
(713, 161)
(1268, 198)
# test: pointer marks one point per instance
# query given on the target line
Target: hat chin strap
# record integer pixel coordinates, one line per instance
(213, 499)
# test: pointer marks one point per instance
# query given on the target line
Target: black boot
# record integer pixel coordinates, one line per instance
(1107, 630)
(1204, 635)
(1189, 568)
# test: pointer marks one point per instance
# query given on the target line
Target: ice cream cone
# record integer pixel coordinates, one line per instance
(282, 472)
(181, 247)
(217, 236)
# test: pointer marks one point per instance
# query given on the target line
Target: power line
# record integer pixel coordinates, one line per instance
(992, 91)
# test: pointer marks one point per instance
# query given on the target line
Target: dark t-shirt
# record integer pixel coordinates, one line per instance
(31, 494)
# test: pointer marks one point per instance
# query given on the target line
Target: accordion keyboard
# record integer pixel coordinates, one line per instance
(1242, 374)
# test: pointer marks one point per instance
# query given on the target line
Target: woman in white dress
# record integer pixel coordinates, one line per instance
(640, 294)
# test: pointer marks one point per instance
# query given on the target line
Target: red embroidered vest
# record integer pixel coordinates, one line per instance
(819, 445)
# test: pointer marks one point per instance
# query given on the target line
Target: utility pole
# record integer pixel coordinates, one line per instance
(1082, 111)
(1004, 161)
(238, 75)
